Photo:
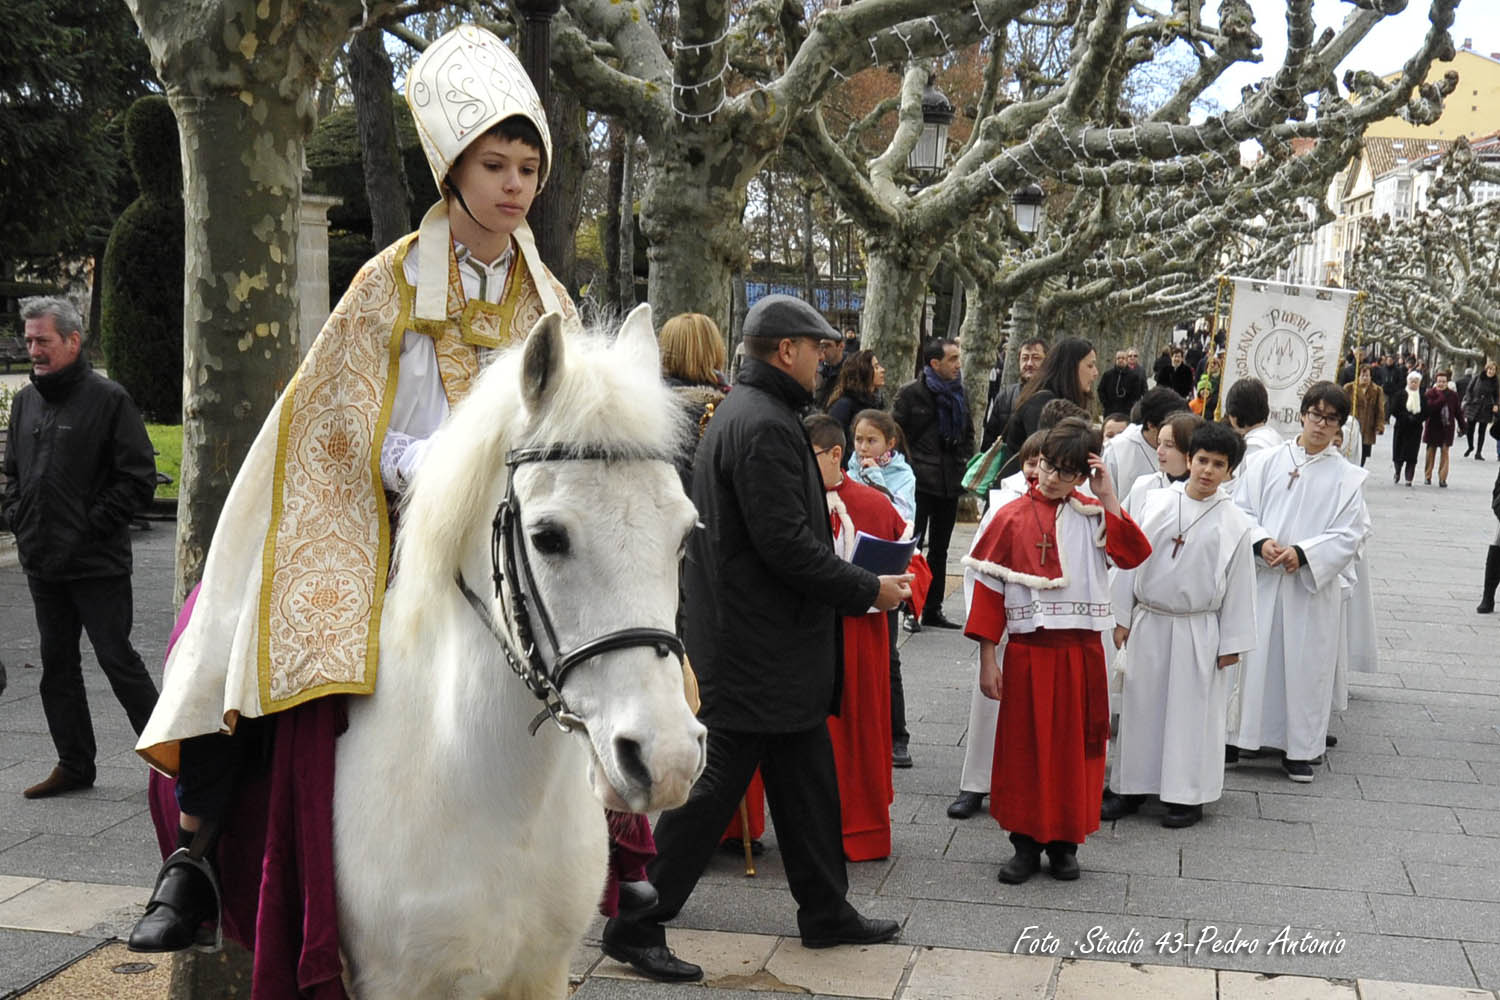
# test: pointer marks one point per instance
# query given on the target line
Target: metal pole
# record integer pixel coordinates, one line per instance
(536, 53)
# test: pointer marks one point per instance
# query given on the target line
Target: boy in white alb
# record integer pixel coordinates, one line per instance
(1309, 508)
(1183, 615)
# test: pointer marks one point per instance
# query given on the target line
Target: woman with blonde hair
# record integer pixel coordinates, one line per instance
(692, 364)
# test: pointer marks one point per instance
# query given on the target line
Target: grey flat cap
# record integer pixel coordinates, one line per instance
(778, 316)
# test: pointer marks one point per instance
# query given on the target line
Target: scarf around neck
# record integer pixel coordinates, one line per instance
(952, 408)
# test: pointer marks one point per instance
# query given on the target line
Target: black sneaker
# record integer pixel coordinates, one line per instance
(1299, 771)
(910, 623)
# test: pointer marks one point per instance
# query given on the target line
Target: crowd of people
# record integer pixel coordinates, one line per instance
(1161, 586)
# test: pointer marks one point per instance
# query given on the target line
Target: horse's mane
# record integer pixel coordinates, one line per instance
(610, 394)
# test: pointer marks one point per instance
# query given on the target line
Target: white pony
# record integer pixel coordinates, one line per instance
(470, 854)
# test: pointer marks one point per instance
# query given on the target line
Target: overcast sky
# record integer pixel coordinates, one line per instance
(1382, 51)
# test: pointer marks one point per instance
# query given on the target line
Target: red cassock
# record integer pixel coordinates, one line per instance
(1054, 707)
(861, 732)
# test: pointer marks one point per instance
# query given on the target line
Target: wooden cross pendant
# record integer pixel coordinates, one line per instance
(1044, 545)
(1177, 545)
(1291, 477)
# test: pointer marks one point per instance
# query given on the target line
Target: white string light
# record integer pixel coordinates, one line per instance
(696, 46)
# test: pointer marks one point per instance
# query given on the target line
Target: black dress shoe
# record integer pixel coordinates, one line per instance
(56, 783)
(901, 755)
(1117, 806)
(1330, 741)
(1062, 861)
(936, 619)
(967, 804)
(635, 896)
(1231, 756)
(1180, 816)
(654, 962)
(186, 898)
(860, 930)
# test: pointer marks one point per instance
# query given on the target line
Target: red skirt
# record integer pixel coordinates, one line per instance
(1048, 774)
(861, 737)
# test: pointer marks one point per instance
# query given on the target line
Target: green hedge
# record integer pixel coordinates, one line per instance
(142, 274)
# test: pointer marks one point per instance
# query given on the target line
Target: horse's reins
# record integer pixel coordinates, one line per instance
(545, 672)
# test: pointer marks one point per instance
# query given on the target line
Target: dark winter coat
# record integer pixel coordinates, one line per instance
(1479, 401)
(1443, 416)
(1119, 389)
(763, 584)
(997, 415)
(1408, 434)
(939, 466)
(846, 407)
(78, 466)
(1180, 380)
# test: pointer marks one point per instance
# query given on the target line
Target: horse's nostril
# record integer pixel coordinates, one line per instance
(632, 763)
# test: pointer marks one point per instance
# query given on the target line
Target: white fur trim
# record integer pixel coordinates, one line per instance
(844, 540)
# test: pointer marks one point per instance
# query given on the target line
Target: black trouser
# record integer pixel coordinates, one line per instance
(801, 788)
(209, 767)
(103, 607)
(1364, 455)
(935, 519)
(898, 692)
(1475, 435)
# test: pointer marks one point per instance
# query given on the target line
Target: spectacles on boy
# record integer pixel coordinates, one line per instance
(1047, 468)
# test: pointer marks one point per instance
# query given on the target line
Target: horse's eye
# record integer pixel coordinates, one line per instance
(550, 541)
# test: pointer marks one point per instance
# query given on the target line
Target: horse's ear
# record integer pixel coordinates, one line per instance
(637, 336)
(541, 364)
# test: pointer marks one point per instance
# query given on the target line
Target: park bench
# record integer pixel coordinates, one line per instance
(13, 352)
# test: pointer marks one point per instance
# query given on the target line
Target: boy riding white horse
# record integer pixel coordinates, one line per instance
(290, 605)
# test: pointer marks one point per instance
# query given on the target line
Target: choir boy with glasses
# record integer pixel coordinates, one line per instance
(1309, 508)
(1184, 615)
(1040, 571)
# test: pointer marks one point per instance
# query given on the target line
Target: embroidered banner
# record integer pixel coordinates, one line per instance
(1288, 336)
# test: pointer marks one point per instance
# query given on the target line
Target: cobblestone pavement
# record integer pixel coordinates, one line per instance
(1381, 872)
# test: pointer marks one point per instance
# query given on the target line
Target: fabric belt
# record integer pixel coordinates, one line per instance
(1148, 606)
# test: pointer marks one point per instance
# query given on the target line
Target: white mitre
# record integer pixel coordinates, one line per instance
(465, 83)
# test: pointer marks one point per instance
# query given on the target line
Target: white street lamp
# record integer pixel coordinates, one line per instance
(1027, 203)
(930, 154)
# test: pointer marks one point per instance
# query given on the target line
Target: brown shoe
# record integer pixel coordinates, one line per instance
(56, 783)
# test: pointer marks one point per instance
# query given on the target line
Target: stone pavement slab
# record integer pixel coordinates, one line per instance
(949, 974)
(91, 909)
(1249, 986)
(1377, 990)
(873, 971)
(1091, 980)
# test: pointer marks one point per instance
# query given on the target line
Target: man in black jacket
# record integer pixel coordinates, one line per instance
(764, 588)
(1121, 387)
(78, 466)
(1003, 401)
(934, 416)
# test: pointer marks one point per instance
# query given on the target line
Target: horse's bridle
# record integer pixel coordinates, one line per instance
(545, 671)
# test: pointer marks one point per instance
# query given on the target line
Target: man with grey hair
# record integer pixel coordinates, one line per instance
(77, 468)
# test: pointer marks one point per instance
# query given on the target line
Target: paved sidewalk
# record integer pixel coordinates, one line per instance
(1384, 868)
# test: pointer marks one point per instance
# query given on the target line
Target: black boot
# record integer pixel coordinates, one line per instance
(1491, 580)
(185, 900)
(1026, 862)
(1062, 860)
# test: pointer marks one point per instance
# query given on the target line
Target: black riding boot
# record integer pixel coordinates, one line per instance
(1491, 580)
(185, 900)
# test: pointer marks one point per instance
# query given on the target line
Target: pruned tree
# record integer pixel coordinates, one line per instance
(1437, 273)
(1150, 172)
(713, 96)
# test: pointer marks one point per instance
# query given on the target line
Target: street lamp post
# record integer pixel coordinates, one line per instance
(928, 157)
(1027, 205)
(536, 53)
